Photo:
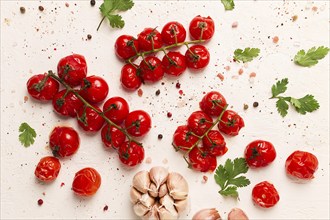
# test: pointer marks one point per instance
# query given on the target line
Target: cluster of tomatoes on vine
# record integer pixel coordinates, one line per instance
(119, 125)
(150, 41)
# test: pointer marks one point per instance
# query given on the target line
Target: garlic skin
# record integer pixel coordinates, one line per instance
(177, 186)
(141, 181)
(167, 215)
(140, 210)
(158, 175)
(135, 195)
(207, 214)
(181, 205)
(237, 214)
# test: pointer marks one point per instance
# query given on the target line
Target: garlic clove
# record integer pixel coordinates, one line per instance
(162, 190)
(181, 205)
(140, 209)
(177, 186)
(207, 214)
(153, 213)
(147, 200)
(164, 214)
(141, 181)
(158, 175)
(168, 203)
(237, 214)
(153, 190)
(135, 195)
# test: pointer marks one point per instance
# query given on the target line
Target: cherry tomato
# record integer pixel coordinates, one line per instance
(89, 120)
(112, 136)
(94, 89)
(174, 63)
(173, 32)
(138, 123)
(213, 103)
(201, 28)
(72, 69)
(265, 195)
(66, 103)
(197, 57)
(86, 182)
(151, 69)
(126, 46)
(47, 169)
(150, 39)
(302, 165)
(183, 138)
(231, 123)
(116, 109)
(214, 143)
(42, 87)
(64, 141)
(130, 78)
(259, 153)
(130, 153)
(199, 122)
(201, 160)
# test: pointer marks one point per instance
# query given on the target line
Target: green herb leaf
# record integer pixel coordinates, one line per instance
(247, 55)
(27, 134)
(311, 57)
(116, 21)
(282, 107)
(227, 176)
(228, 4)
(307, 104)
(280, 87)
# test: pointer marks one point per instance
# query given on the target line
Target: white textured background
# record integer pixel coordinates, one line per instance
(26, 51)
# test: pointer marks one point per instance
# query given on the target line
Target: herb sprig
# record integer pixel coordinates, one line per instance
(311, 57)
(228, 4)
(27, 134)
(247, 55)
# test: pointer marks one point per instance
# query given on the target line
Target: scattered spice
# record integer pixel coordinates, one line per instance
(26, 98)
(314, 8)
(169, 114)
(165, 161)
(294, 18)
(157, 92)
(41, 8)
(227, 68)
(180, 92)
(148, 160)
(62, 184)
(255, 104)
(140, 92)
(245, 106)
(93, 2)
(234, 24)
(40, 202)
(22, 10)
(220, 76)
(253, 74)
(105, 207)
(205, 178)
(240, 71)
(160, 136)
(67, 4)
(178, 85)
(89, 36)
(275, 39)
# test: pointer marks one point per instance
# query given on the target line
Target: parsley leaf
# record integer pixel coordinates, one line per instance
(280, 87)
(282, 107)
(228, 4)
(108, 9)
(227, 176)
(247, 55)
(307, 104)
(27, 134)
(311, 57)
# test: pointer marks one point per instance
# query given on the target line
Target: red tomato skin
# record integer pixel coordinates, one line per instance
(94, 121)
(201, 28)
(183, 139)
(214, 143)
(151, 69)
(213, 103)
(124, 46)
(130, 78)
(197, 57)
(145, 42)
(64, 141)
(130, 153)
(265, 195)
(201, 160)
(301, 165)
(47, 169)
(86, 182)
(112, 137)
(72, 69)
(116, 109)
(174, 63)
(138, 123)
(199, 122)
(173, 30)
(259, 153)
(47, 92)
(94, 89)
(67, 106)
(231, 123)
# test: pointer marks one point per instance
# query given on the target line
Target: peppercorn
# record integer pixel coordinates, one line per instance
(93, 2)
(157, 92)
(169, 114)
(255, 104)
(178, 85)
(40, 202)
(22, 10)
(160, 136)
(245, 106)
(41, 8)
(89, 36)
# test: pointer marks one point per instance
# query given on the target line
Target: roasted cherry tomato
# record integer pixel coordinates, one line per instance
(197, 57)
(64, 141)
(89, 120)
(42, 87)
(151, 69)
(199, 122)
(173, 32)
(66, 103)
(130, 153)
(116, 109)
(213, 103)
(259, 153)
(201, 160)
(112, 136)
(231, 123)
(130, 78)
(138, 123)
(214, 143)
(126, 46)
(265, 195)
(86, 182)
(201, 28)
(183, 138)
(150, 39)
(47, 169)
(72, 69)
(174, 63)
(302, 165)
(94, 89)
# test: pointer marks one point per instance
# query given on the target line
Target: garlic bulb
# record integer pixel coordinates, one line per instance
(207, 214)
(237, 214)
(159, 194)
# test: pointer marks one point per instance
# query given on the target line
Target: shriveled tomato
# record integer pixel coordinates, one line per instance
(173, 32)
(72, 69)
(231, 123)
(66, 103)
(64, 141)
(151, 69)
(197, 57)
(214, 143)
(213, 103)
(265, 195)
(86, 182)
(41, 87)
(150, 39)
(138, 123)
(183, 138)
(201, 160)
(116, 109)
(130, 77)
(201, 28)
(174, 63)
(47, 169)
(94, 89)
(126, 46)
(131, 153)
(302, 165)
(199, 122)
(259, 153)
(89, 120)
(112, 136)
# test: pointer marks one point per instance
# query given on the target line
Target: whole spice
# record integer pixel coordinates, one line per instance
(22, 10)
(255, 104)
(92, 2)
(40, 202)
(41, 8)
